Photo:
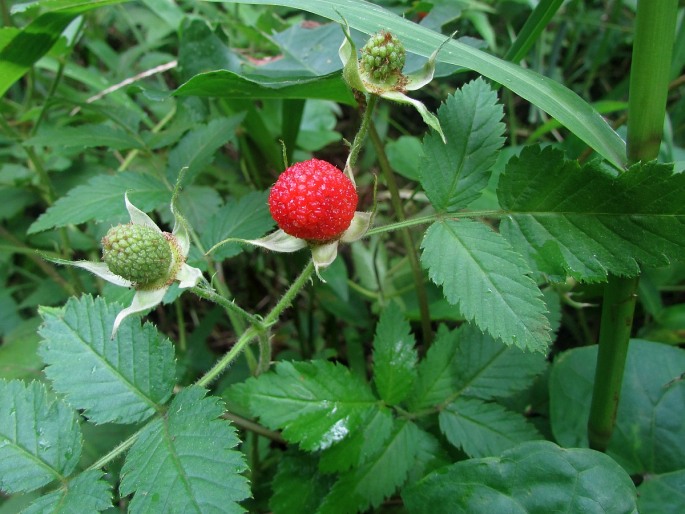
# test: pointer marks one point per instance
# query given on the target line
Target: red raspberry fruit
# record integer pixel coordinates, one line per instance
(313, 200)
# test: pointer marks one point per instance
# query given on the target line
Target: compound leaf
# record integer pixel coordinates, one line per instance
(586, 222)
(40, 439)
(102, 199)
(184, 462)
(534, 478)
(85, 136)
(316, 403)
(377, 478)
(298, 485)
(360, 444)
(245, 218)
(394, 356)
(121, 380)
(454, 174)
(483, 429)
(86, 492)
(466, 362)
(195, 151)
(488, 280)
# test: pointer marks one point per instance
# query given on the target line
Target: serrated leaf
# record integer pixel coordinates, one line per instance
(245, 218)
(316, 403)
(376, 479)
(40, 439)
(102, 199)
(649, 436)
(588, 222)
(488, 281)
(184, 462)
(367, 440)
(85, 136)
(533, 478)
(121, 380)
(86, 492)
(394, 356)
(196, 149)
(466, 362)
(454, 174)
(483, 429)
(298, 486)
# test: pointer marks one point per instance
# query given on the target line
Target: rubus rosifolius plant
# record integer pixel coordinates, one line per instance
(402, 323)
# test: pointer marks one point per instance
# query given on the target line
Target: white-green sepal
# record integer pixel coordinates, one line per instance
(323, 256)
(138, 217)
(279, 241)
(428, 117)
(96, 268)
(142, 301)
(361, 222)
(188, 276)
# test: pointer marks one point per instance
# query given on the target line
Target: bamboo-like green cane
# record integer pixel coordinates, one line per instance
(649, 76)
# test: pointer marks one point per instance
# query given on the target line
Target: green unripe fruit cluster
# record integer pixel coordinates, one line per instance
(137, 253)
(382, 56)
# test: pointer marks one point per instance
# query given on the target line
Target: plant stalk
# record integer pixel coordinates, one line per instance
(649, 78)
(408, 241)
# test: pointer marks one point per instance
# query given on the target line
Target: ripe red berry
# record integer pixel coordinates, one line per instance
(313, 200)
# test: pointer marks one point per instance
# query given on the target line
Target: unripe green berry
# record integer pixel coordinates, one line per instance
(383, 56)
(137, 253)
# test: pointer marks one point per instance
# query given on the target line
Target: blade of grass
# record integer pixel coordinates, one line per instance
(550, 96)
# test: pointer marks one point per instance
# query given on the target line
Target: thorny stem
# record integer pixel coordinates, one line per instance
(209, 294)
(407, 239)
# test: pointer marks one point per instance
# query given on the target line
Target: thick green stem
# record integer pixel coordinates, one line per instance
(651, 63)
(408, 241)
(617, 320)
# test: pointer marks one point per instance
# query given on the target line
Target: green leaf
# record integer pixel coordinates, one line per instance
(298, 486)
(227, 84)
(550, 96)
(184, 462)
(244, 218)
(85, 136)
(454, 174)
(483, 429)
(376, 479)
(589, 222)
(364, 442)
(405, 156)
(102, 199)
(316, 403)
(19, 350)
(533, 478)
(86, 492)
(14, 200)
(40, 439)
(394, 356)
(34, 40)
(121, 380)
(488, 281)
(662, 494)
(649, 436)
(197, 148)
(469, 363)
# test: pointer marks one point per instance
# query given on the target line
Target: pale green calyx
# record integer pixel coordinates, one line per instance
(141, 256)
(379, 71)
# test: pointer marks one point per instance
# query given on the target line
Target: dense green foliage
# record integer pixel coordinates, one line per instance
(439, 357)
